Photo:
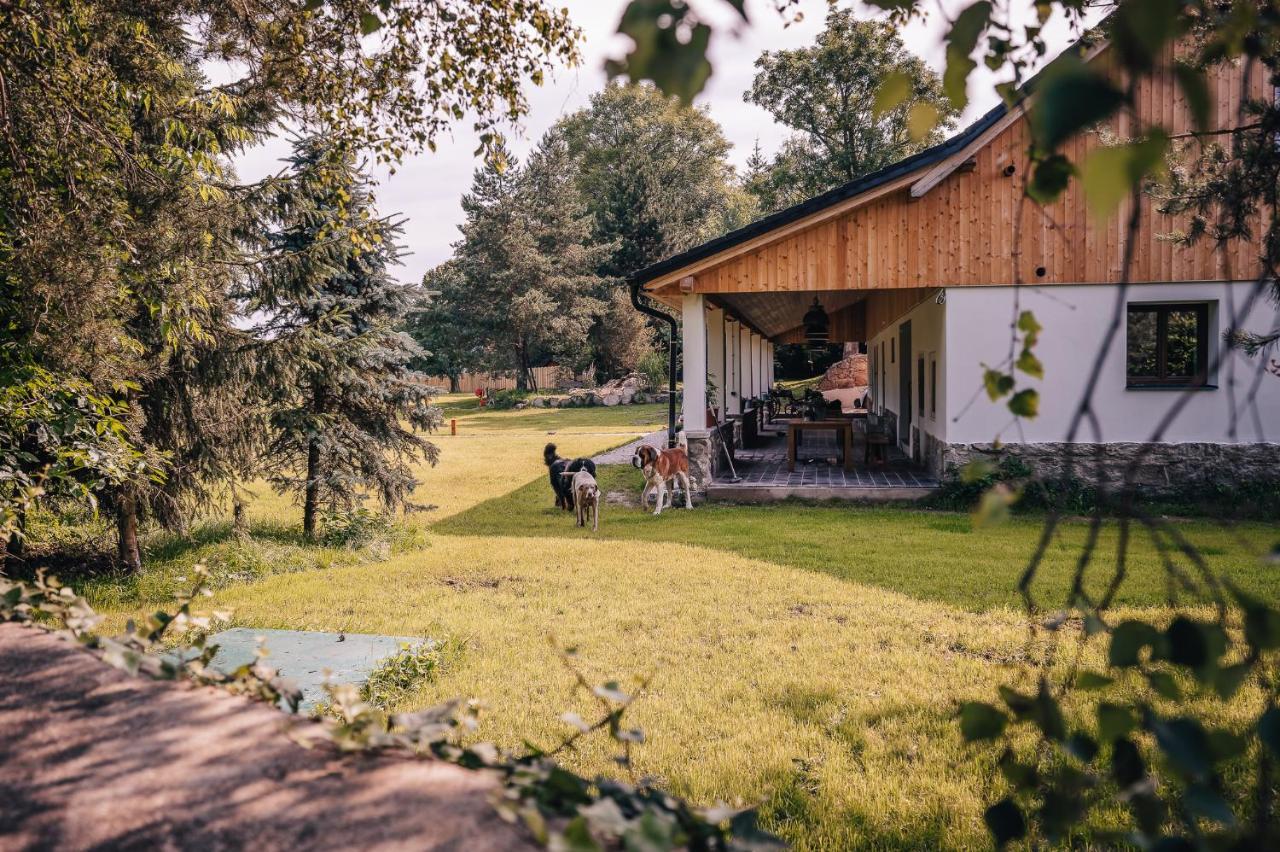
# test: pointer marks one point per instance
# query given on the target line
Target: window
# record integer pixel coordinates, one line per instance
(1167, 345)
(933, 386)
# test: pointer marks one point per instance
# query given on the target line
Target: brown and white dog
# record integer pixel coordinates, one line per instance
(662, 469)
(586, 497)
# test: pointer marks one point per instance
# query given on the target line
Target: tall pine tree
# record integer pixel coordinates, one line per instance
(528, 263)
(345, 407)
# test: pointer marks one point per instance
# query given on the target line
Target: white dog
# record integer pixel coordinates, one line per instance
(586, 498)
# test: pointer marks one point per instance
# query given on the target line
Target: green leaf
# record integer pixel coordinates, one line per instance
(997, 383)
(1142, 29)
(894, 89)
(1196, 91)
(677, 67)
(1028, 324)
(1005, 821)
(369, 23)
(921, 119)
(1070, 97)
(980, 721)
(1115, 721)
(1112, 173)
(1203, 801)
(1030, 364)
(1025, 403)
(1185, 744)
(961, 41)
(1050, 178)
(577, 837)
(1128, 640)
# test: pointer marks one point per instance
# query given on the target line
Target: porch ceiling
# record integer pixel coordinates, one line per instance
(776, 313)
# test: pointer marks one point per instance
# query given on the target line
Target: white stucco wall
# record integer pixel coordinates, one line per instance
(929, 330)
(1075, 320)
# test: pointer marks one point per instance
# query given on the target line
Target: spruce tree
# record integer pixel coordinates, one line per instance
(529, 265)
(344, 406)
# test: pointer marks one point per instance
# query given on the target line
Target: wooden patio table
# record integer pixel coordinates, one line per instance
(844, 436)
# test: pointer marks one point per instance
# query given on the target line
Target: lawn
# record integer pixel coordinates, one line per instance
(807, 657)
(929, 555)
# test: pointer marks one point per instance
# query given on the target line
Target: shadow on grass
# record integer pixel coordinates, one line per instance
(930, 555)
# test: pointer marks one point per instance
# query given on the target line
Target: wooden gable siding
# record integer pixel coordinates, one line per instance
(962, 232)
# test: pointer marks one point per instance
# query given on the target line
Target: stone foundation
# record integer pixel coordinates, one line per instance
(1164, 469)
(704, 456)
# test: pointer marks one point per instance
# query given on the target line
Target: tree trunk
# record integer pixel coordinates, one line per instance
(311, 496)
(455, 382)
(522, 374)
(127, 549)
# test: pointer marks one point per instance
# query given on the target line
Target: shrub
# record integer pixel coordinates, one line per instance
(504, 399)
(653, 366)
(354, 528)
(398, 677)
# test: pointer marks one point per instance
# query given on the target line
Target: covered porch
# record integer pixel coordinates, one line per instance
(762, 446)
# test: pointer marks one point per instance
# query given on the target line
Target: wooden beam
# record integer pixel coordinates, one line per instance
(943, 170)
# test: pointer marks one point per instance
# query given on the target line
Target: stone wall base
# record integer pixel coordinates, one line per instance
(704, 456)
(1164, 468)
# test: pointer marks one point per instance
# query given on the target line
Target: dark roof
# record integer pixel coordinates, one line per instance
(927, 157)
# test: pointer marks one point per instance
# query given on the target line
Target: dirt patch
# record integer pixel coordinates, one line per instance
(467, 584)
(621, 498)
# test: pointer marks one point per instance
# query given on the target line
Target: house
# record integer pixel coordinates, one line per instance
(928, 262)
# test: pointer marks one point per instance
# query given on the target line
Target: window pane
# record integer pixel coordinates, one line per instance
(1183, 347)
(1142, 343)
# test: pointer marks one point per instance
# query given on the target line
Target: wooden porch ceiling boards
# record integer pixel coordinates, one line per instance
(774, 314)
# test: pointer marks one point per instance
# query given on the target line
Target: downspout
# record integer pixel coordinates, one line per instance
(671, 358)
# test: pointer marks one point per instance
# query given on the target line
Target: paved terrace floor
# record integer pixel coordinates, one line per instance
(819, 475)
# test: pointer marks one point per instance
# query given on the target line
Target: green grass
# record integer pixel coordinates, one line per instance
(929, 555)
(643, 417)
(807, 657)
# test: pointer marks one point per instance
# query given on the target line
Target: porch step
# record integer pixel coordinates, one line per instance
(746, 492)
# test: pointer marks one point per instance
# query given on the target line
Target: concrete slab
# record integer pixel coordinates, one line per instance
(302, 656)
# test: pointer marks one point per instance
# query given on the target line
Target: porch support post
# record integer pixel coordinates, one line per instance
(716, 358)
(755, 364)
(744, 368)
(695, 362)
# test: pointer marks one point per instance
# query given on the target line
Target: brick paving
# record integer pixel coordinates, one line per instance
(817, 464)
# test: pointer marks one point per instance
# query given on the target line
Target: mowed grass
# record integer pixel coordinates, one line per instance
(930, 555)
(807, 657)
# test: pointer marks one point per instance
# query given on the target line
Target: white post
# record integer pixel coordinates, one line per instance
(744, 368)
(695, 363)
(715, 357)
(768, 365)
(755, 364)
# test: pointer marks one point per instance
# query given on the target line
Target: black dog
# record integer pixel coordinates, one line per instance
(562, 485)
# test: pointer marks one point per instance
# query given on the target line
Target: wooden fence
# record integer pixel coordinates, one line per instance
(545, 377)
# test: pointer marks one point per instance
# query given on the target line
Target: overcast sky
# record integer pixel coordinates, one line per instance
(427, 188)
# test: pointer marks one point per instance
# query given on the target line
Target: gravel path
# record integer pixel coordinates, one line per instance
(622, 455)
